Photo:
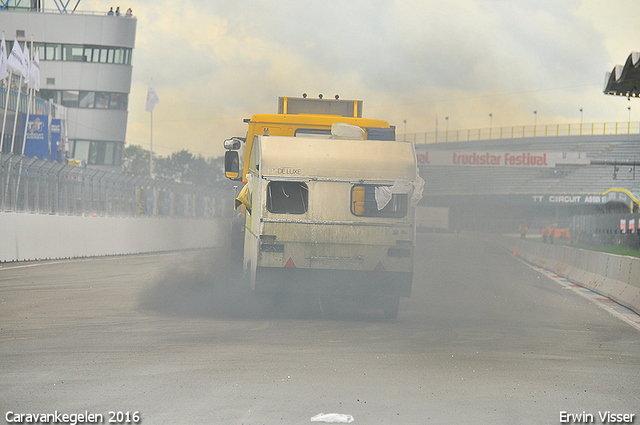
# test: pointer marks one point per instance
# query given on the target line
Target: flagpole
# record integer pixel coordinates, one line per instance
(3, 69)
(29, 94)
(152, 101)
(15, 121)
(151, 147)
(26, 123)
(6, 106)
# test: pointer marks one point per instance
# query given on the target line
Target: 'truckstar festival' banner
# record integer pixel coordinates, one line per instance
(37, 142)
(499, 158)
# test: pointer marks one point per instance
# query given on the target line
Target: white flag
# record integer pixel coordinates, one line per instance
(34, 75)
(35, 70)
(152, 98)
(4, 71)
(16, 62)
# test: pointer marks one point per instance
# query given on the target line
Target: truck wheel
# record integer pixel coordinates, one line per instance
(246, 278)
(390, 307)
(327, 306)
(237, 238)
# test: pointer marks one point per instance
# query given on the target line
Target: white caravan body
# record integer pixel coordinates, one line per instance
(331, 216)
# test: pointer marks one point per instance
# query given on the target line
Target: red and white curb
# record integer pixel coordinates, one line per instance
(621, 312)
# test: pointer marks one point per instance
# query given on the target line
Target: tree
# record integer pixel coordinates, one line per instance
(174, 167)
(135, 160)
(181, 167)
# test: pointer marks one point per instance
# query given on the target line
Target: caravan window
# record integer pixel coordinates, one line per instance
(287, 197)
(364, 203)
(313, 132)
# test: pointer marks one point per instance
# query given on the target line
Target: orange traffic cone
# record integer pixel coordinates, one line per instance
(515, 251)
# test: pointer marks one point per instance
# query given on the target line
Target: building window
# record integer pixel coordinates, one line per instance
(85, 99)
(118, 101)
(80, 53)
(97, 152)
(70, 98)
(119, 56)
(52, 95)
(92, 53)
(53, 52)
(287, 197)
(81, 150)
(102, 100)
(95, 55)
(117, 154)
(365, 204)
(73, 53)
(109, 149)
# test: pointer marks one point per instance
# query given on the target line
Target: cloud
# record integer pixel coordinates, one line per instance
(215, 63)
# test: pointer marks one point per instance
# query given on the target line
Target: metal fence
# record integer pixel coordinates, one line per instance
(38, 186)
(517, 132)
(608, 229)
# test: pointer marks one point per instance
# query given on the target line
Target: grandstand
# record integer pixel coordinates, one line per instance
(581, 175)
(498, 179)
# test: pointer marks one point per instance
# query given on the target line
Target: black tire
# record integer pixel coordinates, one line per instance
(237, 238)
(391, 307)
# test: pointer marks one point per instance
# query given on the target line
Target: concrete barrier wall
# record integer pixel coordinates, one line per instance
(614, 276)
(26, 236)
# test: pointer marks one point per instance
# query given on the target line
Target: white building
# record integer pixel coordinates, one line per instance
(85, 65)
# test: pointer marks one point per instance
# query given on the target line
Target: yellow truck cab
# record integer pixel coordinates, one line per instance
(329, 203)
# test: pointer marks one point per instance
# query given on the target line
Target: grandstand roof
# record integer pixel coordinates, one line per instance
(624, 80)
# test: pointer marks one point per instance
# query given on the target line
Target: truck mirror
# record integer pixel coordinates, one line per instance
(233, 144)
(232, 165)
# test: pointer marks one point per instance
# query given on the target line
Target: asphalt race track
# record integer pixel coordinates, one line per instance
(484, 339)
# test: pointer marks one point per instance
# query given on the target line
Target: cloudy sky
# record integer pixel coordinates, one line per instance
(214, 63)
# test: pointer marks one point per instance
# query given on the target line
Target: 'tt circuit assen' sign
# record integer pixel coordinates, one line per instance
(576, 199)
(499, 159)
(613, 195)
(621, 196)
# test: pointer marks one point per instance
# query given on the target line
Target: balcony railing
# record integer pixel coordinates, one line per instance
(39, 106)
